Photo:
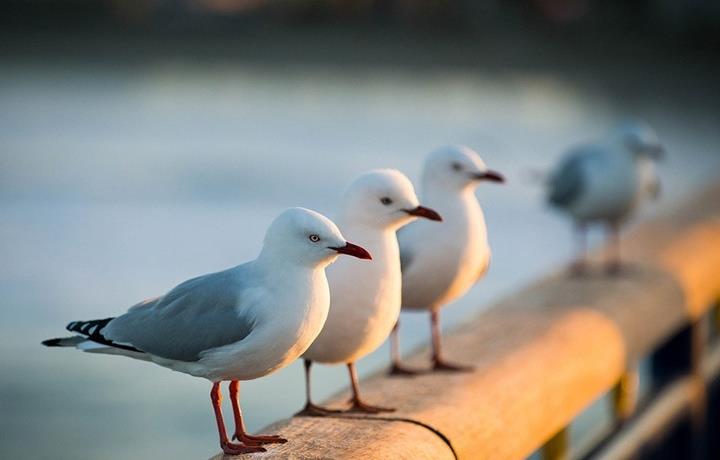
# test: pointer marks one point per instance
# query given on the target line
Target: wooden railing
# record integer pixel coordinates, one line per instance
(545, 354)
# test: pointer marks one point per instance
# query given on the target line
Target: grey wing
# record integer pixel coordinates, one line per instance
(405, 260)
(147, 303)
(198, 315)
(406, 253)
(567, 183)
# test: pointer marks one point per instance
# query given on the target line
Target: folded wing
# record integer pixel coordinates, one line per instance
(198, 315)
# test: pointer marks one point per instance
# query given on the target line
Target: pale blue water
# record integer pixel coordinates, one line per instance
(116, 184)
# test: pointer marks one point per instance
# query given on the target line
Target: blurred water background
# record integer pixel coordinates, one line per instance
(130, 164)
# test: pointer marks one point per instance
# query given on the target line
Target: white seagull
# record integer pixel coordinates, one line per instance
(365, 297)
(440, 264)
(237, 324)
(605, 182)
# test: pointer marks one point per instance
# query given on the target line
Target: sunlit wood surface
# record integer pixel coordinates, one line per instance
(541, 355)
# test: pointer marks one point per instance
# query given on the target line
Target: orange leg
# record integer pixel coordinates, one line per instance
(613, 265)
(579, 267)
(311, 409)
(240, 433)
(227, 447)
(358, 405)
(439, 363)
(397, 367)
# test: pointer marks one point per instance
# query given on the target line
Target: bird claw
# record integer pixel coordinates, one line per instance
(312, 410)
(613, 268)
(359, 406)
(577, 270)
(229, 448)
(444, 366)
(402, 371)
(251, 440)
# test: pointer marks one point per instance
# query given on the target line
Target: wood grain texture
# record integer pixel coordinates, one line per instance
(352, 438)
(541, 355)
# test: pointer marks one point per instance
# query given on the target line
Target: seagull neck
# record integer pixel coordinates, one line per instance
(440, 197)
(278, 262)
(371, 237)
(352, 225)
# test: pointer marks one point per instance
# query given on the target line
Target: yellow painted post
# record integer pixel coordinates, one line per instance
(699, 403)
(557, 447)
(625, 395)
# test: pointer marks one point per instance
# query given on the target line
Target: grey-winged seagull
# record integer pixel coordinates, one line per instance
(365, 298)
(237, 324)
(440, 263)
(604, 182)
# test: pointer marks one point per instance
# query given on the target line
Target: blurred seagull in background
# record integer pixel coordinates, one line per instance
(237, 324)
(365, 298)
(605, 182)
(441, 263)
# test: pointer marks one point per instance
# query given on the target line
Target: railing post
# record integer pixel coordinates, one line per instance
(625, 395)
(557, 447)
(698, 409)
(682, 356)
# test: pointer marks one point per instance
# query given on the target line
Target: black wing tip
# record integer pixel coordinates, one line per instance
(52, 342)
(92, 330)
(84, 327)
(556, 199)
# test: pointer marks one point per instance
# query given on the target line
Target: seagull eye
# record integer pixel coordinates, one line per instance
(386, 201)
(314, 238)
(456, 166)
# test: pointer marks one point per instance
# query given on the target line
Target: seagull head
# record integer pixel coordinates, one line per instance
(306, 237)
(457, 168)
(640, 139)
(384, 199)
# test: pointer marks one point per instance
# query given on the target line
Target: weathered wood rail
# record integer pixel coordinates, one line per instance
(542, 356)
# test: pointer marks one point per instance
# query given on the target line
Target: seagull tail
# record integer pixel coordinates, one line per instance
(83, 343)
(73, 341)
(92, 340)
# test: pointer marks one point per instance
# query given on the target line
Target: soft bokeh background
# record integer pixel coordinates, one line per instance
(145, 142)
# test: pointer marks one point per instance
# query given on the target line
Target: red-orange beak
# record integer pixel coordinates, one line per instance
(489, 175)
(427, 213)
(353, 250)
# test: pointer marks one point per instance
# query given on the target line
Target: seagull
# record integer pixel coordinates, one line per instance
(605, 182)
(440, 265)
(365, 298)
(238, 324)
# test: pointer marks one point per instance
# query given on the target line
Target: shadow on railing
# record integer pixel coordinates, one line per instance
(544, 355)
